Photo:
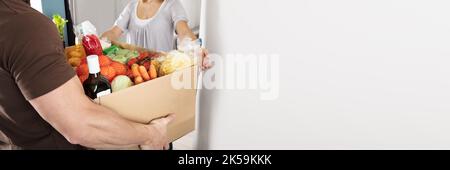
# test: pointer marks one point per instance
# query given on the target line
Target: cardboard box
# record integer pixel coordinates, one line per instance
(156, 98)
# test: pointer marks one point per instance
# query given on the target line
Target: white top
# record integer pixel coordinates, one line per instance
(156, 33)
(144, 22)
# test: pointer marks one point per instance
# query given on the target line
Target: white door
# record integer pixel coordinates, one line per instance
(354, 74)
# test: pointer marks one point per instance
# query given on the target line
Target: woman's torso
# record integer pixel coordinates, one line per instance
(156, 33)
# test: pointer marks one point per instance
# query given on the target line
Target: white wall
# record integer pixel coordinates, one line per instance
(102, 13)
(355, 74)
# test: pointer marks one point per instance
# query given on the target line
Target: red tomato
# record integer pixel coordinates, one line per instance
(104, 60)
(120, 69)
(108, 72)
(82, 70)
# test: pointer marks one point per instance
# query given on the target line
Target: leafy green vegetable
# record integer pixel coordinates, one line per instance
(123, 52)
(111, 50)
(60, 23)
(120, 59)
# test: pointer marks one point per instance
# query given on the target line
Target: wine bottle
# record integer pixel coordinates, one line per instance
(96, 85)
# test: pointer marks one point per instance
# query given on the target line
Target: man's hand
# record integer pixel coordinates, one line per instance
(159, 141)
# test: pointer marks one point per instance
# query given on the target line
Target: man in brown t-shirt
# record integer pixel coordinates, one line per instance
(42, 103)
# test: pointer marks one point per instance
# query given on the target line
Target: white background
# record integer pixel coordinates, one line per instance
(355, 74)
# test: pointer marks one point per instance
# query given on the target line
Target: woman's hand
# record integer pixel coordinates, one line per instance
(112, 34)
(184, 31)
(206, 64)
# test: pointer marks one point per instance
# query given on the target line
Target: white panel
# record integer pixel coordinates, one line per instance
(102, 13)
(355, 74)
(192, 8)
(36, 4)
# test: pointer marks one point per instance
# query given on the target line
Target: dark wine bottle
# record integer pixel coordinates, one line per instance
(96, 85)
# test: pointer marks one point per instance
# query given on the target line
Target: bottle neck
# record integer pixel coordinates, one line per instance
(94, 75)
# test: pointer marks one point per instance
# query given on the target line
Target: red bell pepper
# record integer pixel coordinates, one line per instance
(92, 45)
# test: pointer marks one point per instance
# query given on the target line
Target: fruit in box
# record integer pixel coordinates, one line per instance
(175, 61)
(120, 83)
(122, 55)
(108, 72)
(83, 70)
(74, 62)
(152, 72)
(120, 69)
(120, 59)
(138, 80)
(84, 61)
(75, 54)
(156, 64)
(130, 74)
(132, 61)
(83, 78)
(92, 45)
(104, 60)
(119, 63)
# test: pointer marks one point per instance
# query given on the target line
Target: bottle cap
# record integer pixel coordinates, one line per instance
(93, 64)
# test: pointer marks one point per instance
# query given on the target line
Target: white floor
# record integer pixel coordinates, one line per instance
(186, 143)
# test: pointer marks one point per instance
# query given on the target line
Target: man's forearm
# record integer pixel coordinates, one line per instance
(105, 129)
(83, 122)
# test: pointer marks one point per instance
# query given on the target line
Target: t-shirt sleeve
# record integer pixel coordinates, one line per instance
(37, 63)
(178, 13)
(124, 18)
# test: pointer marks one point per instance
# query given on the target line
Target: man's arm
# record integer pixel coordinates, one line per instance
(83, 122)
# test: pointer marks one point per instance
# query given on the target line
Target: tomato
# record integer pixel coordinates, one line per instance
(132, 61)
(120, 68)
(83, 70)
(108, 72)
(104, 60)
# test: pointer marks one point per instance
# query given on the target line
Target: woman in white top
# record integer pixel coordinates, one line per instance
(152, 24)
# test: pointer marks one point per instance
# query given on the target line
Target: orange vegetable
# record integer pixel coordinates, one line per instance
(75, 62)
(83, 70)
(138, 80)
(144, 73)
(108, 72)
(104, 60)
(152, 72)
(120, 68)
(76, 51)
(135, 70)
(75, 54)
(83, 78)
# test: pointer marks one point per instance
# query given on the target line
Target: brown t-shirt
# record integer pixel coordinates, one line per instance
(32, 64)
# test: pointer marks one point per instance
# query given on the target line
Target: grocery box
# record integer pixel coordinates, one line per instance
(175, 93)
(157, 98)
